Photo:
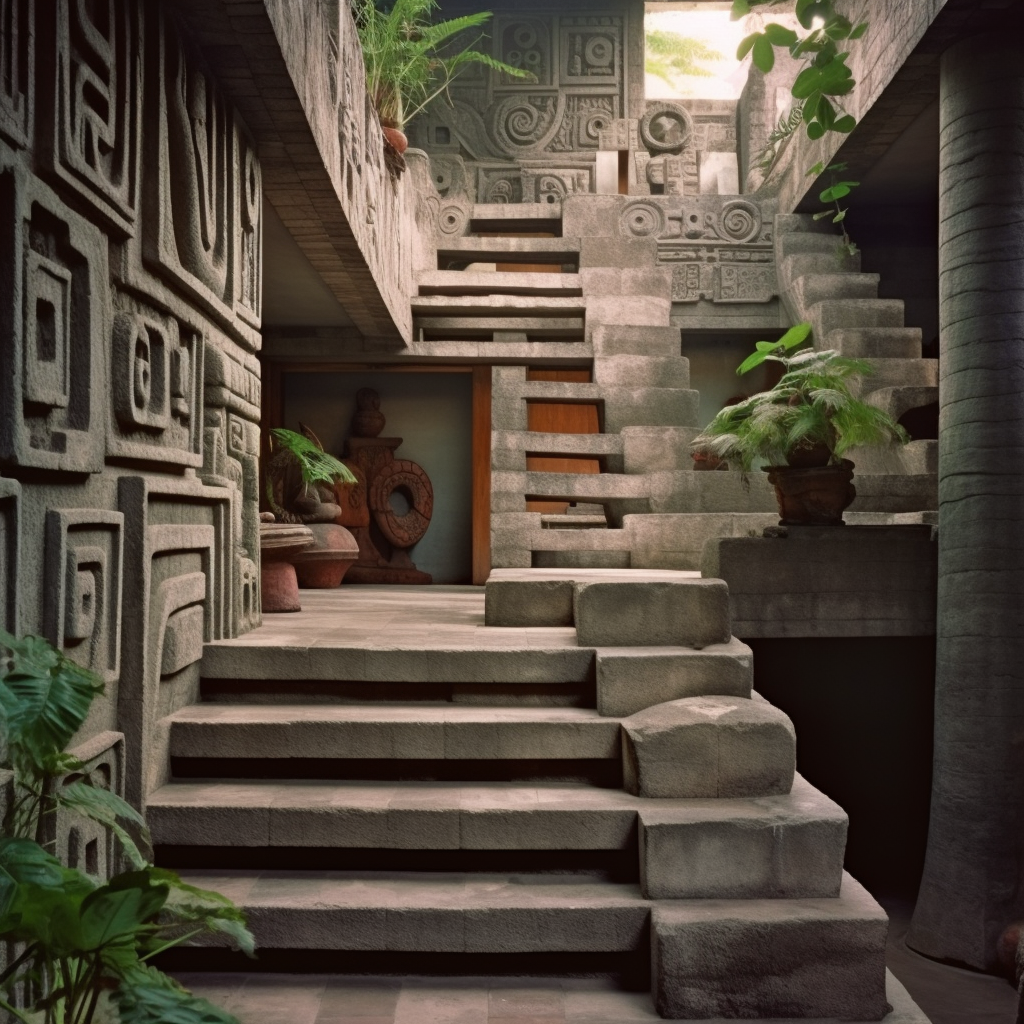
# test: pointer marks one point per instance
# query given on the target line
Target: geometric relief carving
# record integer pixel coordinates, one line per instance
(525, 43)
(545, 183)
(10, 493)
(95, 116)
(83, 587)
(80, 842)
(586, 117)
(204, 215)
(51, 352)
(156, 374)
(525, 122)
(591, 50)
(16, 69)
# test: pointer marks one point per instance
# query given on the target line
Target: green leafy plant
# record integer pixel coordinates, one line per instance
(670, 54)
(812, 405)
(817, 90)
(411, 60)
(83, 944)
(315, 465)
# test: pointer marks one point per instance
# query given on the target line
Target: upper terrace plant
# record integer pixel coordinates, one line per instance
(411, 60)
(83, 943)
(810, 417)
(818, 90)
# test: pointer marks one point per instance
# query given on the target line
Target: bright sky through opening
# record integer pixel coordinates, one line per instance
(714, 30)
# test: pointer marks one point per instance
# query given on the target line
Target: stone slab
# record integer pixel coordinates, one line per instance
(630, 679)
(687, 613)
(784, 847)
(771, 958)
(868, 581)
(708, 747)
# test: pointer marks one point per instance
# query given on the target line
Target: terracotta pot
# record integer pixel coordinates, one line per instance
(280, 543)
(325, 563)
(812, 497)
(702, 461)
(396, 137)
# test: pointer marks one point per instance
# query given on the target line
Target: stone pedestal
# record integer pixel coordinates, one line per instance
(279, 544)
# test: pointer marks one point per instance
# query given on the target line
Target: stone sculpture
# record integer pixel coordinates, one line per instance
(384, 531)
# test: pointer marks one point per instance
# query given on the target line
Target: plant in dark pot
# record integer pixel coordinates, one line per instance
(411, 59)
(802, 428)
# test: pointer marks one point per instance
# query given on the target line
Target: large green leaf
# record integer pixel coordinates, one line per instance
(27, 863)
(154, 1004)
(764, 54)
(108, 809)
(118, 911)
(52, 698)
(212, 911)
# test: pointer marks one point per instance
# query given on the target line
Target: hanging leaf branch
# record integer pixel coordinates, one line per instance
(818, 89)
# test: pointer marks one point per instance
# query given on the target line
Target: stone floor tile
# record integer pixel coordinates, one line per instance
(445, 1001)
(532, 1002)
(345, 998)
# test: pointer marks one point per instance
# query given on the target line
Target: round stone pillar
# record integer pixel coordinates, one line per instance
(973, 882)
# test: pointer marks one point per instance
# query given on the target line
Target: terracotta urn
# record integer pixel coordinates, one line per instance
(817, 496)
(279, 544)
(325, 562)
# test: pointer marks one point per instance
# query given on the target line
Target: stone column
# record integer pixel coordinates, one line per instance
(973, 882)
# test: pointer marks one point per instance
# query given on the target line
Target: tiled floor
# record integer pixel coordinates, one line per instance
(389, 617)
(275, 999)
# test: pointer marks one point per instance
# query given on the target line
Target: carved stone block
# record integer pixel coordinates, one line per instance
(83, 587)
(156, 371)
(621, 134)
(525, 43)
(10, 499)
(93, 111)
(591, 50)
(51, 351)
(17, 70)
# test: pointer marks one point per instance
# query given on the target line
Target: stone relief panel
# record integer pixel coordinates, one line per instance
(231, 449)
(203, 211)
(84, 559)
(17, 55)
(10, 561)
(525, 43)
(156, 371)
(179, 579)
(719, 248)
(591, 50)
(92, 117)
(52, 380)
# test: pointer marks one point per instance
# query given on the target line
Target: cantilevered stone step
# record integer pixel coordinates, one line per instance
(391, 731)
(498, 305)
(876, 342)
(899, 400)
(508, 250)
(556, 444)
(442, 913)
(465, 282)
(544, 215)
(589, 487)
(500, 328)
(613, 340)
(900, 373)
(481, 660)
(783, 847)
(494, 349)
(642, 371)
(811, 289)
(827, 245)
(830, 314)
(800, 264)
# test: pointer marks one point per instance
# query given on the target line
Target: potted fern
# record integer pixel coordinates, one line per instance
(410, 59)
(802, 428)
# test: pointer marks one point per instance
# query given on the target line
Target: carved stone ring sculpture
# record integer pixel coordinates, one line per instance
(412, 482)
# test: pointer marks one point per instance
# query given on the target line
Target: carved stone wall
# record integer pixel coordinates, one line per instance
(505, 140)
(130, 246)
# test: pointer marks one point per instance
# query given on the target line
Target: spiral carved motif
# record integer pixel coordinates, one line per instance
(452, 219)
(402, 475)
(522, 123)
(740, 220)
(642, 220)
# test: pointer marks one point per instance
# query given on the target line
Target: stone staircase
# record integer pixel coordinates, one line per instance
(606, 311)
(389, 785)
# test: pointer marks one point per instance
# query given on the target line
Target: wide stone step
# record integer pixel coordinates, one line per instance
(466, 282)
(830, 314)
(437, 913)
(498, 349)
(801, 264)
(792, 243)
(480, 659)
(391, 731)
(901, 373)
(509, 327)
(899, 400)
(642, 371)
(788, 846)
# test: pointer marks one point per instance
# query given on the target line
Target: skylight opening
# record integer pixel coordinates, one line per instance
(691, 52)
